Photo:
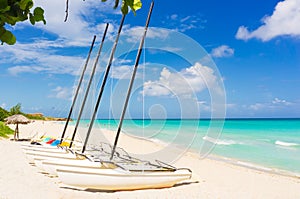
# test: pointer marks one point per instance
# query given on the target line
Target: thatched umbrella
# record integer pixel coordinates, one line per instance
(17, 119)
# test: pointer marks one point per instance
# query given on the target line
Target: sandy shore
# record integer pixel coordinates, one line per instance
(211, 178)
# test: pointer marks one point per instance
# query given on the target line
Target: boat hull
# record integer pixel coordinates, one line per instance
(50, 166)
(36, 155)
(42, 146)
(47, 150)
(118, 179)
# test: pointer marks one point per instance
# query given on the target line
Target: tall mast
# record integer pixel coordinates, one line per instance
(77, 90)
(132, 80)
(103, 84)
(89, 85)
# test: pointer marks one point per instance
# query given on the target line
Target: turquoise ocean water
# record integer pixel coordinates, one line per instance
(265, 143)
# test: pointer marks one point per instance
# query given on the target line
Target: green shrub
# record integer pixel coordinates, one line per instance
(5, 130)
(34, 117)
(3, 114)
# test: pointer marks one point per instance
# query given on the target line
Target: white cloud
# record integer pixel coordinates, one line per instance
(62, 93)
(274, 104)
(121, 72)
(185, 19)
(42, 55)
(283, 22)
(80, 26)
(38, 57)
(22, 69)
(134, 34)
(155, 89)
(174, 16)
(222, 51)
(231, 106)
(118, 61)
(184, 23)
(184, 83)
(278, 101)
(3, 105)
(203, 105)
(257, 106)
(51, 65)
(55, 14)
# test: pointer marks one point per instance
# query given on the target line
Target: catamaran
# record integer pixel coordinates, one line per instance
(109, 167)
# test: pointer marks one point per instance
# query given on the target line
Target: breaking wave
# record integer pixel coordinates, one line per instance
(288, 144)
(219, 142)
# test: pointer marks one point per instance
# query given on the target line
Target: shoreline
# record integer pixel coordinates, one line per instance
(211, 178)
(233, 161)
(256, 167)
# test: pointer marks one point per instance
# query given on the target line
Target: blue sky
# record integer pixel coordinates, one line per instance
(244, 54)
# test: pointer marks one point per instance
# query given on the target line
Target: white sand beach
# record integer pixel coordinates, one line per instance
(211, 178)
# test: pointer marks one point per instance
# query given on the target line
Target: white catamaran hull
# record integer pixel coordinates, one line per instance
(47, 150)
(46, 146)
(42, 146)
(50, 166)
(36, 155)
(118, 179)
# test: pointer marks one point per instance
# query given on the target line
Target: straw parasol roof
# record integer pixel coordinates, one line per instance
(17, 119)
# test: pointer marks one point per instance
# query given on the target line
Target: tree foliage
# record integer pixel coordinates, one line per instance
(15, 11)
(16, 109)
(13, 110)
(134, 5)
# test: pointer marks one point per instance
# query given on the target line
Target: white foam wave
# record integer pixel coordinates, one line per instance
(157, 141)
(219, 142)
(253, 166)
(281, 143)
